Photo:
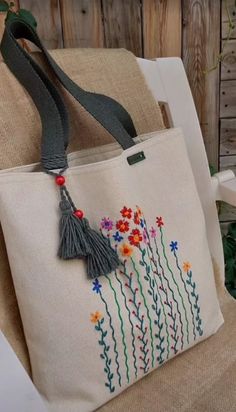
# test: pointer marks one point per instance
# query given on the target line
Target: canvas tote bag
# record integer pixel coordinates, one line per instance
(107, 247)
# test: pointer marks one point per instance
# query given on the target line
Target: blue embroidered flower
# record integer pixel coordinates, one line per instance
(173, 246)
(96, 286)
(142, 223)
(117, 237)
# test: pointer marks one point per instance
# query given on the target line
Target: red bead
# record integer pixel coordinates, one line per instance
(60, 180)
(79, 213)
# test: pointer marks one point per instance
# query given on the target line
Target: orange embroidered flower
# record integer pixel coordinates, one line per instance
(135, 238)
(126, 250)
(139, 211)
(126, 212)
(136, 218)
(122, 226)
(186, 266)
(159, 221)
(95, 317)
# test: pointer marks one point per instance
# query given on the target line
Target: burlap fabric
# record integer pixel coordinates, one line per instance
(112, 72)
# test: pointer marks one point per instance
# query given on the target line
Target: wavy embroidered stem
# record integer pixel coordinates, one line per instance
(121, 326)
(113, 338)
(187, 292)
(173, 327)
(177, 286)
(146, 306)
(139, 318)
(192, 284)
(131, 323)
(104, 355)
(156, 309)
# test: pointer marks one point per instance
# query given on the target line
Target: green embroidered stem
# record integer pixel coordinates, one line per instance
(167, 302)
(113, 338)
(196, 305)
(105, 356)
(121, 325)
(177, 286)
(146, 306)
(140, 320)
(131, 324)
(186, 290)
(154, 295)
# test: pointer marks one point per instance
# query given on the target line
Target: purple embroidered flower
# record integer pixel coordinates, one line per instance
(96, 286)
(117, 237)
(153, 232)
(145, 236)
(106, 223)
(173, 246)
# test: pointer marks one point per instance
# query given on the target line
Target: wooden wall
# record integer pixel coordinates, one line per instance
(149, 28)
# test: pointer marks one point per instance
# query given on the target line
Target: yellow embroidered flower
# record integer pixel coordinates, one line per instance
(186, 266)
(126, 250)
(95, 317)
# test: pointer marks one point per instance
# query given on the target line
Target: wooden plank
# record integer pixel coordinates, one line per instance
(201, 47)
(82, 23)
(228, 64)
(47, 14)
(227, 212)
(225, 19)
(228, 98)
(162, 28)
(228, 136)
(122, 24)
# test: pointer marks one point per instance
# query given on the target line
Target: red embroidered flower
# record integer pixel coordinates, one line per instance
(160, 222)
(126, 212)
(136, 218)
(135, 238)
(122, 226)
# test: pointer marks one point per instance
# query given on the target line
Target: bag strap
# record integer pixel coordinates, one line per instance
(54, 117)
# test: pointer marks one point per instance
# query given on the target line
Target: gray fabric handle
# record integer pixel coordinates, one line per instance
(54, 117)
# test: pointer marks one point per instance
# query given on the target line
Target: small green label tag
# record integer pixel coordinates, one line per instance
(135, 158)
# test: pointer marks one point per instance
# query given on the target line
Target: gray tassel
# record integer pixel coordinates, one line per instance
(73, 243)
(103, 259)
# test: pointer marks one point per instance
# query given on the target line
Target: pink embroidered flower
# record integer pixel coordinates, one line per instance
(122, 226)
(153, 232)
(135, 238)
(106, 223)
(126, 212)
(159, 221)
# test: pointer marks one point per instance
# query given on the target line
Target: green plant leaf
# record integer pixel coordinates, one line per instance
(4, 6)
(229, 246)
(230, 271)
(232, 230)
(28, 17)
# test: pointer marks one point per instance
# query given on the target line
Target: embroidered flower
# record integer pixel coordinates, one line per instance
(117, 237)
(95, 317)
(186, 266)
(136, 218)
(145, 236)
(159, 221)
(135, 238)
(126, 212)
(139, 211)
(153, 232)
(126, 250)
(173, 246)
(96, 286)
(106, 223)
(122, 226)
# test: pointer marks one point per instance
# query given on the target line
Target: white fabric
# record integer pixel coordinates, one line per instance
(134, 307)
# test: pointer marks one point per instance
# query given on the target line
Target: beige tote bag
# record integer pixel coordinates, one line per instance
(125, 282)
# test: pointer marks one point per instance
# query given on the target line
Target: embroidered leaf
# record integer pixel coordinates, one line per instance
(102, 321)
(112, 389)
(105, 370)
(97, 327)
(102, 356)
